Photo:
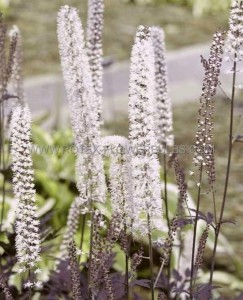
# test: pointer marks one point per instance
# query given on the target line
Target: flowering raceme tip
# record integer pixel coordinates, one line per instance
(27, 224)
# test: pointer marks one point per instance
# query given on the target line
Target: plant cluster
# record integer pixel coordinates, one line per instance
(123, 208)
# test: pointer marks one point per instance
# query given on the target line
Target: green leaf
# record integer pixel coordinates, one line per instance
(41, 137)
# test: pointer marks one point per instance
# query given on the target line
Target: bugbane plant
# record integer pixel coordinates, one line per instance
(17, 72)
(204, 149)
(5, 289)
(94, 47)
(163, 113)
(142, 135)
(83, 105)
(162, 100)
(234, 42)
(74, 270)
(128, 231)
(234, 48)
(146, 186)
(27, 225)
(74, 213)
(117, 149)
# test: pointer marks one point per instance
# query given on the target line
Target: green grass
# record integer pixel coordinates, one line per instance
(37, 21)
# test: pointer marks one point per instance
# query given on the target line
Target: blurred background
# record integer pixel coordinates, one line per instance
(185, 22)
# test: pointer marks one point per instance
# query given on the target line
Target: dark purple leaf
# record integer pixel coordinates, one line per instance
(188, 272)
(200, 214)
(181, 222)
(176, 275)
(204, 291)
(210, 217)
(240, 297)
(228, 221)
(136, 296)
(142, 282)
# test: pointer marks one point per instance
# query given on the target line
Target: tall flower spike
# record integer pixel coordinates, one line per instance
(182, 186)
(94, 47)
(116, 147)
(6, 64)
(163, 101)
(17, 73)
(5, 289)
(201, 249)
(27, 231)
(204, 150)
(234, 43)
(3, 75)
(82, 103)
(72, 226)
(75, 272)
(143, 141)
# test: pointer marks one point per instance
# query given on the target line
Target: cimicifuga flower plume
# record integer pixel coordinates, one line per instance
(182, 186)
(234, 43)
(5, 289)
(136, 260)
(162, 98)
(120, 177)
(143, 141)
(6, 61)
(27, 224)
(17, 72)
(74, 270)
(94, 47)
(82, 103)
(3, 61)
(204, 149)
(162, 296)
(73, 219)
(201, 249)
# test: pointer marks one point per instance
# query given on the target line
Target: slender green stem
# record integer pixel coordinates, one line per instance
(214, 206)
(217, 231)
(195, 229)
(2, 167)
(1, 133)
(3, 201)
(165, 191)
(151, 258)
(166, 206)
(126, 277)
(160, 271)
(126, 263)
(29, 293)
(90, 254)
(2, 161)
(82, 236)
